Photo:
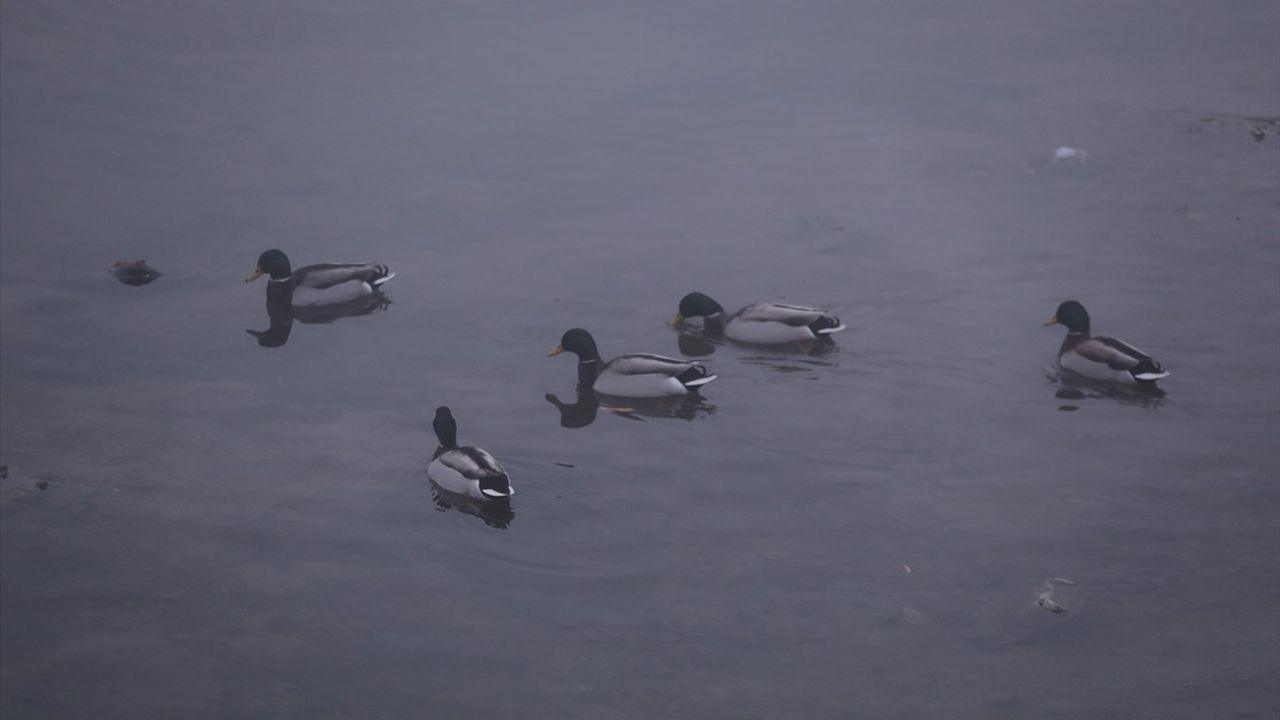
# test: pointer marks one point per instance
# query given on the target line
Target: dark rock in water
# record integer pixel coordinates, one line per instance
(134, 273)
(4, 471)
(42, 484)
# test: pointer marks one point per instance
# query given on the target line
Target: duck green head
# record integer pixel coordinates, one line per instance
(695, 304)
(1073, 315)
(580, 343)
(446, 428)
(274, 264)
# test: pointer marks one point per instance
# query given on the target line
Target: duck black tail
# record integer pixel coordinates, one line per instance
(1148, 370)
(495, 486)
(826, 325)
(695, 377)
(381, 275)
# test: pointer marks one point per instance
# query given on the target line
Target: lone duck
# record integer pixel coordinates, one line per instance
(759, 323)
(465, 470)
(638, 375)
(1100, 358)
(320, 284)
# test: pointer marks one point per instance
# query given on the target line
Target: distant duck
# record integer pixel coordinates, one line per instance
(465, 470)
(321, 284)
(759, 323)
(1100, 358)
(636, 375)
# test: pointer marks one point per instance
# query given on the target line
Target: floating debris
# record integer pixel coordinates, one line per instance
(134, 273)
(1047, 603)
(1049, 596)
(1070, 154)
(1258, 125)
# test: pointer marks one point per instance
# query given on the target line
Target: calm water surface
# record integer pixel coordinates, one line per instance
(228, 530)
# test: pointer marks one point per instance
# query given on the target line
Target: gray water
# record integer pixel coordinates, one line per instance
(196, 526)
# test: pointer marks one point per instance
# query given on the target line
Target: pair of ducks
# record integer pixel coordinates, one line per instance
(475, 473)
(459, 469)
(642, 375)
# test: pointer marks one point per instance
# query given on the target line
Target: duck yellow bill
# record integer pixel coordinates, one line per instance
(257, 273)
(678, 319)
(556, 351)
(1052, 321)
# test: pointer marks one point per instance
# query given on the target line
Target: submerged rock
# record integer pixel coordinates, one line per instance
(134, 273)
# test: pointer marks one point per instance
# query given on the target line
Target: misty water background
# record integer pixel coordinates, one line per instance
(232, 531)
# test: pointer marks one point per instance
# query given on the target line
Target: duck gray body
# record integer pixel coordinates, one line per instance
(760, 323)
(1099, 357)
(319, 284)
(637, 375)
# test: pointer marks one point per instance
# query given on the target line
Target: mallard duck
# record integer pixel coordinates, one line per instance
(321, 284)
(637, 375)
(465, 470)
(1100, 358)
(759, 323)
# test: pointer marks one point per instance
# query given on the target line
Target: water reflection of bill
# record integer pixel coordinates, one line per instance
(281, 317)
(496, 513)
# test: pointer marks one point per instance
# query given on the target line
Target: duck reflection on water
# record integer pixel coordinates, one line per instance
(1070, 388)
(496, 513)
(281, 317)
(583, 412)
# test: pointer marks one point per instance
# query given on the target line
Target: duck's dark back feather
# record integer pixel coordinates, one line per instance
(1144, 365)
(470, 462)
(644, 363)
(325, 275)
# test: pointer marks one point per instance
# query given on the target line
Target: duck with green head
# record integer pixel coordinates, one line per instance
(463, 469)
(759, 323)
(320, 284)
(637, 375)
(1098, 357)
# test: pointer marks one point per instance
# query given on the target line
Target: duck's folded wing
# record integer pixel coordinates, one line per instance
(794, 315)
(1116, 354)
(326, 275)
(645, 364)
(471, 462)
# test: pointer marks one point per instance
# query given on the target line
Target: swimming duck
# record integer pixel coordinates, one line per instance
(637, 375)
(1100, 358)
(465, 470)
(321, 284)
(759, 323)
